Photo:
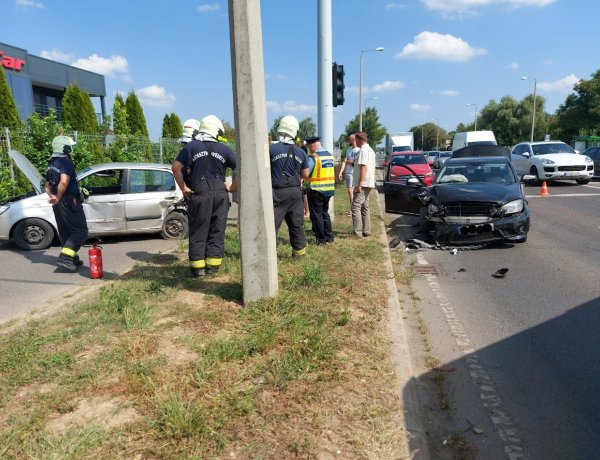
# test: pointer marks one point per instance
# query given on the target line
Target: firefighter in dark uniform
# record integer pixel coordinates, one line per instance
(65, 197)
(321, 187)
(207, 194)
(288, 163)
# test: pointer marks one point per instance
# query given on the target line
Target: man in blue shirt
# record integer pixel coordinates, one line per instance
(288, 164)
(65, 197)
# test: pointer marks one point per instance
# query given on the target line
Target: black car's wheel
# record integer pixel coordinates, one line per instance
(32, 234)
(175, 225)
(583, 181)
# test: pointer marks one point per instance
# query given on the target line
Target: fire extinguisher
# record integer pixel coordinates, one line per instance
(95, 253)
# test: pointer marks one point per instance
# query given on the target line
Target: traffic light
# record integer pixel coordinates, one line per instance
(338, 84)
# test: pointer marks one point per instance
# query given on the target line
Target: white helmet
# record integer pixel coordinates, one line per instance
(212, 126)
(288, 125)
(62, 144)
(191, 128)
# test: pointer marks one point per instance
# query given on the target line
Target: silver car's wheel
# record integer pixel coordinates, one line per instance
(175, 225)
(32, 234)
(583, 181)
(534, 172)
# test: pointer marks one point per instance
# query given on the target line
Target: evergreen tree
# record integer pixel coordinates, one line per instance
(120, 125)
(9, 115)
(166, 126)
(375, 130)
(135, 116)
(78, 110)
(176, 126)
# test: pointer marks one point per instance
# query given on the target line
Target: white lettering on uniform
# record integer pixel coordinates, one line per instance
(199, 155)
(217, 156)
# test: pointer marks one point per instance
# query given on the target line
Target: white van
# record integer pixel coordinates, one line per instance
(472, 138)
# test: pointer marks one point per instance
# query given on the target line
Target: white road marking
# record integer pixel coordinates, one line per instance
(500, 418)
(561, 195)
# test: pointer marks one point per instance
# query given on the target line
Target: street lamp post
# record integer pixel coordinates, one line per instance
(476, 113)
(361, 86)
(534, 91)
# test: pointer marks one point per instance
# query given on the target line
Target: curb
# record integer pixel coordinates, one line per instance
(416, 446)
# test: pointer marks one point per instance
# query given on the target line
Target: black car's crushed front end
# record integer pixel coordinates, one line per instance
(472, 222)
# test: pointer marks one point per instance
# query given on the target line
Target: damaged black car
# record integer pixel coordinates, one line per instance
(476, 198)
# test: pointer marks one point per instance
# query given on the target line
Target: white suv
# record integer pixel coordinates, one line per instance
(551, 160)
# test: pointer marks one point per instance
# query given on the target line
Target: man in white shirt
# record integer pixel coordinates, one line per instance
(364, 182)
(348, 168)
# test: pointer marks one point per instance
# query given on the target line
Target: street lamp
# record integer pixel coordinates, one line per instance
(534, 91)
(475, 115)
(361, 86)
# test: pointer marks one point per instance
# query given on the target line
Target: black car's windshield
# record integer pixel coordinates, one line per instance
(545, 149)
(476, 172)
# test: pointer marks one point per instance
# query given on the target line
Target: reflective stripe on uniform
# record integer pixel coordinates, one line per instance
(197, 263)
(213, 262)
(322, 177)
(299, 252)
(68, 252)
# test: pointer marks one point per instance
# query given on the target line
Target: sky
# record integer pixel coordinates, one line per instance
(439, 55)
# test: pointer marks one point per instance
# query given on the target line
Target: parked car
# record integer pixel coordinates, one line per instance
(440, 158)
(124, 198)
(431, 156)
(476, 198)
(397, 173)
(550, 161)
(594, 154)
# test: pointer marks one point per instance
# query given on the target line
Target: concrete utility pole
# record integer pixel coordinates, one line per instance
(256, 221)
(325, 121)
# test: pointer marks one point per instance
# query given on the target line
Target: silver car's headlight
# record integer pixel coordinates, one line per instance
(513, 207)
(546, 161)
(4, 208)
(588, 159)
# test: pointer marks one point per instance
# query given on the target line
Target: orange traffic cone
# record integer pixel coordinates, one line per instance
(544, 189)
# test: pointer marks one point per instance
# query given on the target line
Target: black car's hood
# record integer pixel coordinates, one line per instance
(481, 192)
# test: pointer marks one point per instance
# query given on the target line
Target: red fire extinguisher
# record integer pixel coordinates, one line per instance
(95, 253)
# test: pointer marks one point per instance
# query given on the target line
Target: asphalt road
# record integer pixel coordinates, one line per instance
(522, 352)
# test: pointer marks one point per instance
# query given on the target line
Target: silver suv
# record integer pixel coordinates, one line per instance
(124, 198)
(551, 160)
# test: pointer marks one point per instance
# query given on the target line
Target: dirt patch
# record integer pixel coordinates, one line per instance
(101, 411)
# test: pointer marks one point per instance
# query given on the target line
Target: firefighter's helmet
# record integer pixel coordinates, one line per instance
(288, 125)
(63, 144)
(191, 128)
(212, 126)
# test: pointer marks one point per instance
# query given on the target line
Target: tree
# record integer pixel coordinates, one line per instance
(78, 111)
(429, 136)
(307, 129)
(166, 126)
(176, 126)
(9, 115)
(136, 121)
(580, 113)
(120, 125)
(273, 130)
(375, 130)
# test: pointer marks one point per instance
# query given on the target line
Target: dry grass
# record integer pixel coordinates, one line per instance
(157, 365)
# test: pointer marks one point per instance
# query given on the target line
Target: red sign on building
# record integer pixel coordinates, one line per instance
(11, 62)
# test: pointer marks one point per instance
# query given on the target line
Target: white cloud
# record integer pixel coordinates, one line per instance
(513, 65)
(29, 4)
(448, 92)
(277, 76)
(564, 85)
(434, 46)
(290, 106)
(57, 55)
(110, 67)
(419, 107)
(469, 7)
(395, 6)
(155, 96)
(208, 7)
(388, 85)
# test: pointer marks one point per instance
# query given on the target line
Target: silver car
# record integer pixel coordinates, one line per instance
(124, 198)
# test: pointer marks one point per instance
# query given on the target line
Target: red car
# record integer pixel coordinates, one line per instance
(416, 161)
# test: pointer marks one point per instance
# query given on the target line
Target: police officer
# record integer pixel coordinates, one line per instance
(207, 194)
(288, 162)
(321, 187)
(65, 197)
